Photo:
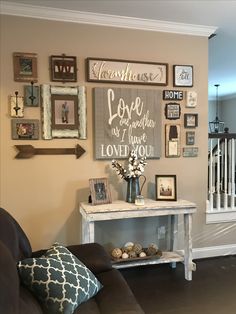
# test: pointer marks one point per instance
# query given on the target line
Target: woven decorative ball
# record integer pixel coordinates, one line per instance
(125, 255)
(154, 246)
(124, 250)
(129, 246)
(151, 250)
(132, 254)
(116, 253)
(137, 248)
(142, 254)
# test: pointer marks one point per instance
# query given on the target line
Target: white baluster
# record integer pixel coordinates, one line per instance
(225, 173)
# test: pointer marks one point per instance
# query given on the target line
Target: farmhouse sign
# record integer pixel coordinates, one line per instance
(125, 71)
(127, 119)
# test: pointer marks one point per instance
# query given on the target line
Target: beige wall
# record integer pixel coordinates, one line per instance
(43, 193)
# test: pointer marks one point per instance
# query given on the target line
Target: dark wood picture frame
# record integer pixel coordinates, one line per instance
(100, 192)
(183, 75)
(63, 68)
(25, 67)
(172, 140)
(190, 120)
(25, 129)
(65, 112)
(166, 187)
(172, 111)
(190, 138)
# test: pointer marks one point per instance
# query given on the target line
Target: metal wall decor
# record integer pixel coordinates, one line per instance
(190, 151)
(190, 138)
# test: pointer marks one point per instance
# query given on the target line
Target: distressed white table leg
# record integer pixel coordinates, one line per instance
(85, 230)
(91, 232)
(172, 240)
(188, 255)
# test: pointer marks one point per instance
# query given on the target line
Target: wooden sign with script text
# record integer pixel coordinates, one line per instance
(127, 119)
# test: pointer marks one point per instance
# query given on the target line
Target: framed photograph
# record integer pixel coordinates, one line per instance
(25, 129)
(191, 99)
(63, 112)
(190, 120)
(25, 67)
(190, 138)
(172, 111)
(100, 192)
(183, 75)
(166, 188)
(63, 68)
(172, 140)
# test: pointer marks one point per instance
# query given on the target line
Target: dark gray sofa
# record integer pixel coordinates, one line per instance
(114, 298)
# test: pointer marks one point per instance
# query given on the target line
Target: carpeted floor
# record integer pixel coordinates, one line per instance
(162, 290)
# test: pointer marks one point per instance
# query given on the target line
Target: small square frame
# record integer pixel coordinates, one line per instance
(166, 187)
(190, 120)
(25, 129)
(190, 138)
(183, 75)
(25, 67)
(172, 111)
(100, 192)
(63, 68)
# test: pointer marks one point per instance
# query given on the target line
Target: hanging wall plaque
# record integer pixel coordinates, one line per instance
(127, 119)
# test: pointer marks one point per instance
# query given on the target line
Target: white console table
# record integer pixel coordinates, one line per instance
(123, 210)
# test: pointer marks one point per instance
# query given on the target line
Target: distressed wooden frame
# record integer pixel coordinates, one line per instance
(166, 187)
(25, 67)
(25, 129)
(50, 129)
(63, 68)
(100, 192)
(190, 138)
(125, 72)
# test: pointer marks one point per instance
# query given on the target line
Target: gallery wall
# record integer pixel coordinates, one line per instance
(43, 193)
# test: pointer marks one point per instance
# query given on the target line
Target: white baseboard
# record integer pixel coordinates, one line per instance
(214, 251)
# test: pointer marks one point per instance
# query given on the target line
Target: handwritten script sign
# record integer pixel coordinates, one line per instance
(127, 119)
(129, 72)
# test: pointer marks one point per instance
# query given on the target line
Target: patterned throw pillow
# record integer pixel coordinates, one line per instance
(59, 280)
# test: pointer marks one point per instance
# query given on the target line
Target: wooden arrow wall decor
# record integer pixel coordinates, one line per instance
(28, 151)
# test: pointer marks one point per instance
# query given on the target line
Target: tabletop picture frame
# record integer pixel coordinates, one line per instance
(183, 75)
(25, 67)
(166, 187)
(100, 192)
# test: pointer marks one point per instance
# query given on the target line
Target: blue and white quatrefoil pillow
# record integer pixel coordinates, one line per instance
(59, 280)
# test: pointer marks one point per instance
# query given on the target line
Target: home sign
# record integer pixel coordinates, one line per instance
(127, 119)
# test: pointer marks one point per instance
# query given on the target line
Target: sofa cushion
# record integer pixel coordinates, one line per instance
(59, 280)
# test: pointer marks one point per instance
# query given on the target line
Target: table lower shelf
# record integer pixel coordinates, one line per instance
(167, 257)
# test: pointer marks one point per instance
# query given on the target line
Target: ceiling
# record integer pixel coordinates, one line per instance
(221, 14)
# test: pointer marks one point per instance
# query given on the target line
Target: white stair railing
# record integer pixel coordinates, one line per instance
(221, 172)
